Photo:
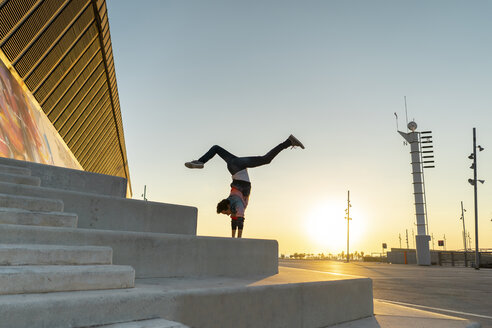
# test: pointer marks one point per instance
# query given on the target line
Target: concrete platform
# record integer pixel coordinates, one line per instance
(20, 179)
(161, 255)
(70, 179)
(388, 315)
(152, 323)
(41, 204)
(56, 278)
(25, 217)
(114, 213)
(29, 254)
(294, 298)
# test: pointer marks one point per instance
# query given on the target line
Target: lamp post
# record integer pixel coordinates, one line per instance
(347, 211)
(473, 182)
(408, 246)
(144, 195)
(464, 231)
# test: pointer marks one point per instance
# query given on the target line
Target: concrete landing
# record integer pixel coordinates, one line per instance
(388, 315)
(291, 299)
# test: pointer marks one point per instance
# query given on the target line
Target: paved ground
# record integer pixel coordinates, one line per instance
(460, 292)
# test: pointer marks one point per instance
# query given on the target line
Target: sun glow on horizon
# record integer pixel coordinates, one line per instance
(326, 227)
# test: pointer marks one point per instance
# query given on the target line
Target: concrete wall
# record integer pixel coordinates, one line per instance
(397, 256)
(70, 179)
(114, 213)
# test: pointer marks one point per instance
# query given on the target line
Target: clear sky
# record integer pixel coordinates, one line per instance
(246, 74)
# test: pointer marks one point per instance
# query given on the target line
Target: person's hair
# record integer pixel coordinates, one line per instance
(223, 205)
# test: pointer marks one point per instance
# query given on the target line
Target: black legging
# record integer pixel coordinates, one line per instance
(236, 164)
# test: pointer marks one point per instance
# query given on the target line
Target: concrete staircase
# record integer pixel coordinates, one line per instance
(38, 268)
(75, 253)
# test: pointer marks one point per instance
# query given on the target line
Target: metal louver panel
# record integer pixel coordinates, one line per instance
(87, 122)
(13, 14)
(77, 54)
(62, 51)
(58, 49)
(82, 105)
(30, 29)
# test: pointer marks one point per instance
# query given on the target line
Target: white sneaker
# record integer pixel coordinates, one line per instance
(194, 165)
(295, 142)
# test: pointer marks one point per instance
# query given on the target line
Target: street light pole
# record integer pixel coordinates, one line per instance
(144, 195)
(347, 211)
(408, 246)
(464, 232)
(477, 259)
(474, 182)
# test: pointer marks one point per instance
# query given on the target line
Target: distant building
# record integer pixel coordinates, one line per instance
(59, 100)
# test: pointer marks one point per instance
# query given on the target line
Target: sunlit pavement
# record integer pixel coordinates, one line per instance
(455, 291)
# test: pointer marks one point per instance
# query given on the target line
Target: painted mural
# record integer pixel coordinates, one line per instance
(25, 131)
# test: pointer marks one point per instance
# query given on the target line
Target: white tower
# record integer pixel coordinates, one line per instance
(422, 238)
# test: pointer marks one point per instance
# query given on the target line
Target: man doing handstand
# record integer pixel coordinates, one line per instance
(235, 205)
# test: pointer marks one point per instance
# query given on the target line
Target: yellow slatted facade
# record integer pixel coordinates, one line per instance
(62, 51)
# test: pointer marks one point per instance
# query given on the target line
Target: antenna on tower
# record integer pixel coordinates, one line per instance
(396, 117)
(406, 113)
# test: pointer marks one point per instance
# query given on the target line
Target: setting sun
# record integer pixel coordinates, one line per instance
(327, 227)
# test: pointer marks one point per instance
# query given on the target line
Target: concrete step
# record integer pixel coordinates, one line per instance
(161, 255)
(151, 323)
(29, 254)
(25, 217)
(14, 170)
(31, 203)
(291, 299)
(115, 213)
(56, 278)
(20, 179)
(70, 179)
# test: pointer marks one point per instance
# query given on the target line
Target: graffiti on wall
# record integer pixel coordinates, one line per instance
(25, 131)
